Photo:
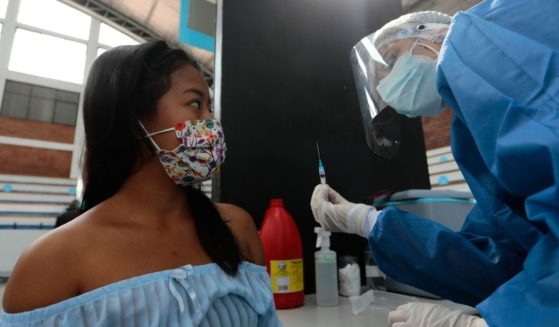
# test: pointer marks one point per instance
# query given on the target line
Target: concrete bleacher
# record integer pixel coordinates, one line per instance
(444, 173)
(28, 209)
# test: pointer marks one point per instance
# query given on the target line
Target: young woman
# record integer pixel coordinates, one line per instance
(148, 249)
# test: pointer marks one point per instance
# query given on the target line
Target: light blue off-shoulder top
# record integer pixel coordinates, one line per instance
(187, 296)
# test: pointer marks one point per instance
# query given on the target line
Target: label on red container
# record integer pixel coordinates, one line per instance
(286, 275)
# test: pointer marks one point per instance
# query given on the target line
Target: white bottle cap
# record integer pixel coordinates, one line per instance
(322, 238)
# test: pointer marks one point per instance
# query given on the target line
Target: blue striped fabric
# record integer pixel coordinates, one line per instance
(187, 296)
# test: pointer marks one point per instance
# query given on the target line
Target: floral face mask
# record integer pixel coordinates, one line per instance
(200, 154)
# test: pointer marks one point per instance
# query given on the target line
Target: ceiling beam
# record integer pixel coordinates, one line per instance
(105, 13)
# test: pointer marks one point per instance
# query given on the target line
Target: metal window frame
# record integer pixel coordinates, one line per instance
(124, 24)
(55, 102)
(9, 26)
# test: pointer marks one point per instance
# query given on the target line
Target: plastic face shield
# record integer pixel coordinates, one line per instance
(372, 59)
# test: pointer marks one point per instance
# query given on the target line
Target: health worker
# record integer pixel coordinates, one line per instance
(496, 66)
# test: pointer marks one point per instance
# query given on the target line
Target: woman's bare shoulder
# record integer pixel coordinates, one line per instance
(243, 227)
(48, 271)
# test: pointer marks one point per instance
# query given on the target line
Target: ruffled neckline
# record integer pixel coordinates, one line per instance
(128, 283)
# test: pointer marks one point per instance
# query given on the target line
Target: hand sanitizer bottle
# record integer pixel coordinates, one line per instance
(326, 271)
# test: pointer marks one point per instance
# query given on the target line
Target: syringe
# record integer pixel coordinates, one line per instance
(321, 172)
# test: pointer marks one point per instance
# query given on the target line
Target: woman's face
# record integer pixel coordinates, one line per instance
(188, 98)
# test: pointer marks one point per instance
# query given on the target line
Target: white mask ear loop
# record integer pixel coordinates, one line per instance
(149, 135)
(423, 45)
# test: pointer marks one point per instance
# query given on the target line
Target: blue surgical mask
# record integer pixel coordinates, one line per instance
(411, 87)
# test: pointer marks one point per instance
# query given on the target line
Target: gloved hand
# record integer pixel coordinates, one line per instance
(337, 214)
(416, 314)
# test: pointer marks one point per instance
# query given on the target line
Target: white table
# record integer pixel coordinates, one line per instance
(375, 316)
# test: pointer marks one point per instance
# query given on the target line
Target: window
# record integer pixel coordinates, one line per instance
(52, 15)
(40, 103)
(100, 51)
(3, 7)
(47, 56)
(112, 37)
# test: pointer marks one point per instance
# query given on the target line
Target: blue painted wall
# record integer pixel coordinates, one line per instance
(192, 37)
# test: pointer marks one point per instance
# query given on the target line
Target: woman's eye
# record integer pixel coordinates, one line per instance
(196, 104)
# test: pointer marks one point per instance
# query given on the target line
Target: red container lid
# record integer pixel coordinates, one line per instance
(278, 202)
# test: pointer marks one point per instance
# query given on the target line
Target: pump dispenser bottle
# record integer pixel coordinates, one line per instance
(326, 271)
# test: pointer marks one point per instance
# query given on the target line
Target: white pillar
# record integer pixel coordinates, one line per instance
(217, 60)
(79, 136)
(8, 33)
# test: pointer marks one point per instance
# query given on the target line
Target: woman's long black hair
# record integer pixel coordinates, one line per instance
(124, 84)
